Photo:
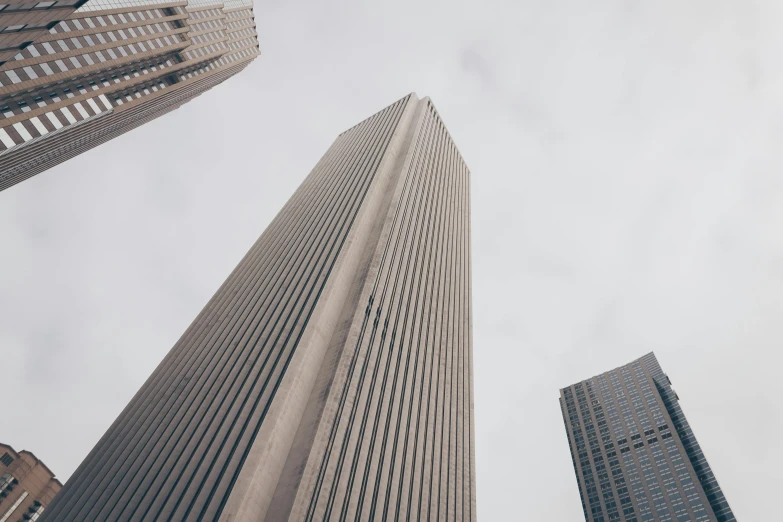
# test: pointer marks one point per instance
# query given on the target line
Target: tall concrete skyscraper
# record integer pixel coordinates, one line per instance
(74, 74)
(330, 377)
(635, 456)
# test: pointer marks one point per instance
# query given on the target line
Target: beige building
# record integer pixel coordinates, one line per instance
(331, 375)
(27, 486)
(75, 74)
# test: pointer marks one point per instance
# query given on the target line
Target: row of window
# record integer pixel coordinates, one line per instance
(85, 60)
(204, 51)
(9, 8)
(206, 13)
(204, 38)
(203, 26)
(35, 127)
(78, 24)
(138, 93)
(24, 27)
(87, 41)
(65, 92)
(252, 42)
(249, 31)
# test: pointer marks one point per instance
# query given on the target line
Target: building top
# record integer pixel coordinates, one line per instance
(8, 455)
(27, 485)
(647, 357)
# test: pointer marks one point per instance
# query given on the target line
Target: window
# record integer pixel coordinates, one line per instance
(23, 132)
(6, 459)
(14, 28)
(68, 116)
(44, 5)
(13, 76)
(53, 119)
(42, 130)
(666, 435)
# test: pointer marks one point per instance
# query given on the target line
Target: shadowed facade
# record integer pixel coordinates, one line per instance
(330, 377)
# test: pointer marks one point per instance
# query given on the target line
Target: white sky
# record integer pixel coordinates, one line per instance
(627, 197)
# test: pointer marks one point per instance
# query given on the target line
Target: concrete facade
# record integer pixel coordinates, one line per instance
(27, 486)
(330, 377)
(107, 67)
(635, 456)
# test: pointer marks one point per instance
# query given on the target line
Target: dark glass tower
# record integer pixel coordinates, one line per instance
(635, 456)
(330, 377)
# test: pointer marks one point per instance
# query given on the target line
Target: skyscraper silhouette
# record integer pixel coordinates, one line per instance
(75, 74)
(330, 377)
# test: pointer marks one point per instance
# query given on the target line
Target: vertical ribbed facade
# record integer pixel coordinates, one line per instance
(108, 67)
(634, 454)
(330, 377)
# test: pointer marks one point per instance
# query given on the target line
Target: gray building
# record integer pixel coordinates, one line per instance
(330, 377)
(635, 456)
(75, 73)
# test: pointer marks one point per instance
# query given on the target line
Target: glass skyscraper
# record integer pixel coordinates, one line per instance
(330, 377)
(74, 74)
(635, 456)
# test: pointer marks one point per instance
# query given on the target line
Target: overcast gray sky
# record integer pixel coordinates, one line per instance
(627, 197)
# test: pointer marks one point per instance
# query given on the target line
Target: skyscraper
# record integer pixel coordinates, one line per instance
(74, 74)
(635, 456)
(330, 377)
